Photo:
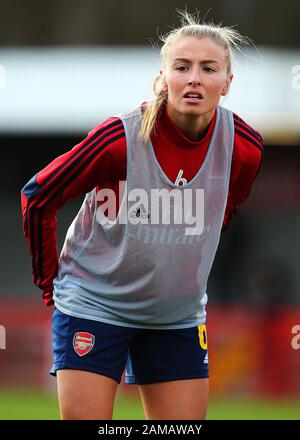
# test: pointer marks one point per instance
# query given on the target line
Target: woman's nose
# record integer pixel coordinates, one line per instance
(194, 78)
(194, 83)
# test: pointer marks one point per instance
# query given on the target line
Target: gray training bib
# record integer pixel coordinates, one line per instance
(149, 267)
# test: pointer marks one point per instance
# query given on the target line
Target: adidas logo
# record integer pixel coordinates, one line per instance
(205, 361)
(140, 212)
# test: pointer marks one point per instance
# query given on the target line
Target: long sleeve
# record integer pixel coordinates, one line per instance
(246, 163)
(76, 172)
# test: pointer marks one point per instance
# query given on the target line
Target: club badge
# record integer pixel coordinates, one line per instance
(83, 343)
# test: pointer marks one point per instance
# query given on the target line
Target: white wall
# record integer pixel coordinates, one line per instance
(63, 89)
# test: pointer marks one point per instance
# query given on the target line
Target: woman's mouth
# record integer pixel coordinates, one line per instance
(193, 97)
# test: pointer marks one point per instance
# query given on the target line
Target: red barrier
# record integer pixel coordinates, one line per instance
(27, 356)
(250, 351)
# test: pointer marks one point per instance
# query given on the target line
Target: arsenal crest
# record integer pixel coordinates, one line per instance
(83, 343)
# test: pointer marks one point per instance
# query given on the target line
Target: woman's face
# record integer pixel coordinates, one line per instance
(199, 67)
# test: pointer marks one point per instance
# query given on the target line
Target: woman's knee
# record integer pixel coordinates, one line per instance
(178, 399)
(84, 395)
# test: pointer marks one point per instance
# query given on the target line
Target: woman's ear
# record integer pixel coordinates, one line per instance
(227, 85)
(164, 84)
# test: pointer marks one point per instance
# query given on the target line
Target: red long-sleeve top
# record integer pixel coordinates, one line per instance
(99, 161)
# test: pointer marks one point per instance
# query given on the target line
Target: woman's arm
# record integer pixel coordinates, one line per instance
(74, 173)
(246, 163)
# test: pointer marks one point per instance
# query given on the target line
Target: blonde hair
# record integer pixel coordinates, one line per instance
(227, 37)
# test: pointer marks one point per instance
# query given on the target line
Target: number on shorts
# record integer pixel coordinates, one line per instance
(202, 336)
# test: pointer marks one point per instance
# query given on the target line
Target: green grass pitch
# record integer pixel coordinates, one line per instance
(35, 405)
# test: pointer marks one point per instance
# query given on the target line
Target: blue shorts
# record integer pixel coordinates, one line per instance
(149, 356)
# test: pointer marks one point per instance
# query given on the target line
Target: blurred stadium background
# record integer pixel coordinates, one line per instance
(64, 67)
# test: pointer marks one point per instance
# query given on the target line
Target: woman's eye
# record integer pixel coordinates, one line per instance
(181, 68)
(208, 69)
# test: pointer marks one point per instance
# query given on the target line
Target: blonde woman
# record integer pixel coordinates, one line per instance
(129, 288)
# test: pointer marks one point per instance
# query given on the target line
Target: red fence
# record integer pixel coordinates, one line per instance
(250, 352)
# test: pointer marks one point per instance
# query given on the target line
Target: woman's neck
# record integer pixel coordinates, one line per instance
(192, 126)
